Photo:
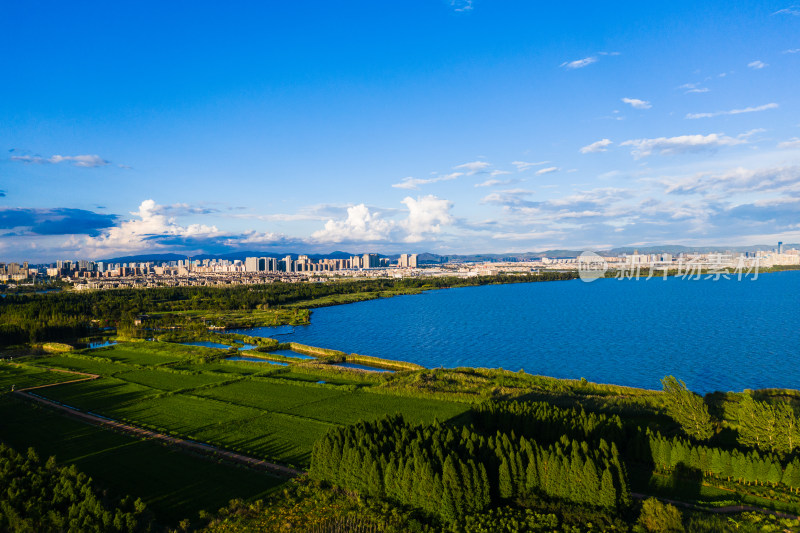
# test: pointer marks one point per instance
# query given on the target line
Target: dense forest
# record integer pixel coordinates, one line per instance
(43, 497)
(66, 315)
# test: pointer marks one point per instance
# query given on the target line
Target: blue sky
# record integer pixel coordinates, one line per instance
(450, 127)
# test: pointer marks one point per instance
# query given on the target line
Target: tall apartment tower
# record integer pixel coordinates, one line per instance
(780, 247)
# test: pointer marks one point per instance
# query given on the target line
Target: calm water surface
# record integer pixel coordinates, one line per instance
(715, 335)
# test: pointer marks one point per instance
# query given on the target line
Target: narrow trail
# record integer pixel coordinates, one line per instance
(728, 509)
(187, 445)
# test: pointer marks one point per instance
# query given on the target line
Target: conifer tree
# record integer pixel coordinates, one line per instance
(687, 409)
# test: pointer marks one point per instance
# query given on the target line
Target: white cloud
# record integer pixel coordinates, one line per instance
(493, 182)
(579, 63)
(756, 109)
(414, 183)
(791, 10)
(524, 165)
(758, 65)
(693, 88)
(495, 173)
(85, 161)
(547, 170)
(144, 231)
(790, 144)
(473, 167)
(360, 225)
(682, 144)
(426, 215)
(597, 146)
(792, 51)
(779, 180)
(461, 6)
(637, 104)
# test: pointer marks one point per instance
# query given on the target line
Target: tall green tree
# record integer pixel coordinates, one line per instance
(687, 409)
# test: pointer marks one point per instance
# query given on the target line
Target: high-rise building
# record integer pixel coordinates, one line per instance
(412, 260)
(251, 264)
(780, 247)
(370, 261)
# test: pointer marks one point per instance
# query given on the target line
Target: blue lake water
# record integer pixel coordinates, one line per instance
(290, 353)
(100, 344)
(714, 335)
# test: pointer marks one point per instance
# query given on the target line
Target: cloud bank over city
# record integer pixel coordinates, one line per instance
(508, 129)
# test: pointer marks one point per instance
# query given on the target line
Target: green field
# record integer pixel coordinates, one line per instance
(175, 389)
(175, 485)
(170, 381)
(22, 377)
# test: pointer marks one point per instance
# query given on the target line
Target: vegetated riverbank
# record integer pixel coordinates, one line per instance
(279, 413)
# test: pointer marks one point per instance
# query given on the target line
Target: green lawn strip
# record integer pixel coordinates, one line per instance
(174, 484)
(21, 377)
(170, 381)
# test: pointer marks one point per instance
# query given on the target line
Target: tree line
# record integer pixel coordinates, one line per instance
(47, 497)
(65, 315)
(451, 473)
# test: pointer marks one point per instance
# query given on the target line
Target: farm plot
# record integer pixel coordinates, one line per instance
(170, 381)
(272, 395)
(127, 465)
(103, 396)
(273, 436)
(185, 415)
(91, 365)
(24, 376)
(361, 405)
(147, 354)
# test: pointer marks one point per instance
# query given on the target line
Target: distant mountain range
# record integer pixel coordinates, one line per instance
(429, 258)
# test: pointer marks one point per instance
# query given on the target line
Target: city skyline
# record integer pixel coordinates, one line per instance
(448, 127)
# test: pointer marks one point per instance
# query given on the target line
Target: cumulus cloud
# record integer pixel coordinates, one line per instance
(681, 144)
(461, 6)
(792, 51)
(426, 215)
(757, 65)
(525, 165)
(755, 109)
(151, 226)
(547, 170)
(360, 225)
(84, 161)
(414, 183)
(637, 104)
(579, 63)
(597, 146)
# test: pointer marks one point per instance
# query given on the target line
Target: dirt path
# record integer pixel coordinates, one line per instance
(719, 510)
(205, 449)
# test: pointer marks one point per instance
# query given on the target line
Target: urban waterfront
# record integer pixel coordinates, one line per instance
(715, 335)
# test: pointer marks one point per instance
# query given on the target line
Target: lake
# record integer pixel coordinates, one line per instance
(714, 335)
